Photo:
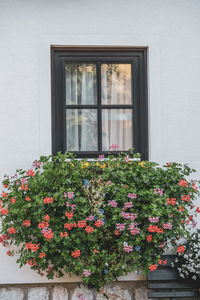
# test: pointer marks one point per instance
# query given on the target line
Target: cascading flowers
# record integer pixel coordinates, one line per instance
(99, 219)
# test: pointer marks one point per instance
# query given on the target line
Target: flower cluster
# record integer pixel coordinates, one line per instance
(97, 219)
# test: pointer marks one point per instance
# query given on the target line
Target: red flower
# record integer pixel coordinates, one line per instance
(171, 201)
(190, 218)
(169, 164)
(117, 232)
(181, 249)
(32, 262)
(198, 209)
(12, 200)
(1, 204)
(33, 247)
(11, 230)
(95, 251)
(69, 226)
(98, 223)
(24, 187)
(76, 253)
(4, 211)
(42, 254)
(185, 198)
(162, 262)
(46, 218)
(82, 224)
(181, 208)
(28, 198)
(48, 200)
(48, 235)
(30, 173)
(149, 238)
(9, 253)
(183, 183)
(153, 267)
(69, 215)
(65, 234)
(5, 185)
(27, 223)
(89, 229)
(43, 224)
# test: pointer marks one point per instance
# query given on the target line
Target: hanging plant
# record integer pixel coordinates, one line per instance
(98, 219)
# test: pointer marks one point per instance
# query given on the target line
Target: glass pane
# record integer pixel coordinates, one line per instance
(81, 83)
(117, 128)
(81, 130)
(116, 83)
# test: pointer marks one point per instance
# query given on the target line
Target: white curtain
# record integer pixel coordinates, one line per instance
(116, 90)
(81, 123)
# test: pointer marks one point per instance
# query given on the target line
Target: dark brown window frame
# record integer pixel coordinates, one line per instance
(136, 56)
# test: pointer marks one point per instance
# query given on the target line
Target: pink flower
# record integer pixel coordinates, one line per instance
(127, 248)
(129, 216)
(154, 219)
(130, 195)
(37, 163)
(167, 225)
(86, 272)
(127, 159)
(114, 147)
(70, 195)
(101, 157)
(67, 204)
(132, 226)
(135, 231)
(108, 182)
(120, 226)
(112, 203)
(73, 206)
(128, 205)
(158, 191)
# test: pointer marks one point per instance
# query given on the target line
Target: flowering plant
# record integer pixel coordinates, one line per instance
(98, 219)
(188, 262)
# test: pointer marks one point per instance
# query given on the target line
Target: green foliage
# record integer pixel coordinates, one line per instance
(113, 198)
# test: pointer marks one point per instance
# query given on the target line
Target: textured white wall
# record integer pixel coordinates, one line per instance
(169, 28)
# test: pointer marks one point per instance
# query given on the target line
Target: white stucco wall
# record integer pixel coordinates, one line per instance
(170, 28)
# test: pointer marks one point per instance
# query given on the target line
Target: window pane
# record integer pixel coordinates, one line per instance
(116, 83)
(81, 130)
(117, 128)
(81, 83)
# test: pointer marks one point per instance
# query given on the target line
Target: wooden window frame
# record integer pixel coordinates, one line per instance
(138, 59)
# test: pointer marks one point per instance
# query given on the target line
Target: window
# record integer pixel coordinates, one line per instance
(99, 97)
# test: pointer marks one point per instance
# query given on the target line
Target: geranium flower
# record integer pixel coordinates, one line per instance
(128, 205)
(4, 211)
(183, 183)
(5, 185)
(70, 195)
(158, 191)
(9, 253)
(86, 272)
(69, 215)
(120, 226)
(180, 249)
(89, 229)
(46, 218)
(101, 157)
(167, 225)
(185, 198)
(69, 226)
(28, 199)
(64, 234)
(76, 253)
(149, 238)
(114, 147)
(30, 172)
(11, 230)
(117, 232)
(13, 200)
(90, 218)
(32, 262)
(4, 195)
(154, 219)
(99, 223)
(42, 255)
(24, 187)
(171, 201)
(127, 159)
(82, 224)
(132, 196)
(48, 200)
(127, 248)
(112, 203)
(135, 231)
(43, 224)
(48, 235)
(27, 223)
(31, 246)
(153, 267)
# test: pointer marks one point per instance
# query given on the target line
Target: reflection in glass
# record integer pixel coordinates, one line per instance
(117, 128)
(81, 83)
(81, 130)
(116, 83)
